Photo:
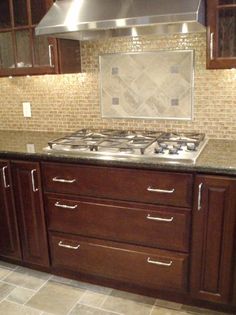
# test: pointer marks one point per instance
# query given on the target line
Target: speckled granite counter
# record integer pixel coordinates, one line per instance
(218, 157)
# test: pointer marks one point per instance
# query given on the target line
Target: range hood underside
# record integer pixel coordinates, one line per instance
(160, 29)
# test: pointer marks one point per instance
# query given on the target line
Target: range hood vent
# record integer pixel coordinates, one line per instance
(94, 19)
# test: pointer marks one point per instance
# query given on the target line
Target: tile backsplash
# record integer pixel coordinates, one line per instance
(70, 102)
(147, 84)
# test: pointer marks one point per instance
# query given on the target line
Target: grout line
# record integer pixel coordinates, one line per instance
(109, 294)
(152, 308)
(101, 309)
(22, 305)
(77, 302)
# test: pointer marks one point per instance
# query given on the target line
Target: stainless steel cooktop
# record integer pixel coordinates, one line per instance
(170, 147)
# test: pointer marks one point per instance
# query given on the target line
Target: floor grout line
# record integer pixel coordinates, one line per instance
(22, 305)
(77, 302)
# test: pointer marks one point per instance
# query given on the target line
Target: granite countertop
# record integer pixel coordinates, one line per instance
(218, 157)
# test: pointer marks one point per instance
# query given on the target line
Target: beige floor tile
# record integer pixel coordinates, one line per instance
(56, 298)
(168, 304)
(20, 295)
(4, 272)
(91, 287)
(61, 279)
(128, 303)
(201, 311)
(88, 310)
(164, 311)
(5, 289)
(8, 308)
(92, 298)
(27, 278)
(7, 265)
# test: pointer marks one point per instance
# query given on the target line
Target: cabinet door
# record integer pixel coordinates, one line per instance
(30, 211)
(221, 34)
(23, 53)
(9, 236)
(213, 238)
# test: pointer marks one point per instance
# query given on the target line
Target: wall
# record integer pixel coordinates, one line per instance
(70, 102)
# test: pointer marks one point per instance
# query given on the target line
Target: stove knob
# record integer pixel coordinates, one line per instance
(191, 146)
(173, 151)
(159, 150)
(163, 145)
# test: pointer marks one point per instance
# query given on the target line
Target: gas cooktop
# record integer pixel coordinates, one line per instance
(172, 147)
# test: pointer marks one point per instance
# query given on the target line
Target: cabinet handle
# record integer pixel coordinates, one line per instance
(68, 246)
(61, 180)
(33, 182)
(50, 52)
(4, 177)
(149, 217)
(160, 190)
(155, 262)
(57, 204)
(212, 46)
(199, 204)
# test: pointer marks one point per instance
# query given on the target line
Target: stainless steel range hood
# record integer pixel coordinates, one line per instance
(93, 19)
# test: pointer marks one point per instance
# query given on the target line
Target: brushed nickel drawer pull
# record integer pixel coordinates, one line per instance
(159, 262)
(32, 180)
(57, 204)
(160, 190)
(50, 53)
(68, 246)
(199, 203)
(211, 46)
(4, 177)
(149, 217)
(61, 180)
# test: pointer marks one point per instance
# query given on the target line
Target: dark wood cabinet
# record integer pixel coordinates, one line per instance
(104, 224)
(145, 266)
(213, 238)
(119, 224)
(163, 188)
(30, 211)
(21, 52)
(9, 236)
(221, 34)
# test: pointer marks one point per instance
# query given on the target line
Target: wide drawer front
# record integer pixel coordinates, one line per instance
(148, 225)
(119, 183)
(138, 265)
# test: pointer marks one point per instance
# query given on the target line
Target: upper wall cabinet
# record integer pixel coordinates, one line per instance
(21, 52)
(221, 35)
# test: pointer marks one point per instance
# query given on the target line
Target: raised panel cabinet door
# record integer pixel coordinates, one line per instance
(9, 236)
(221, 34)
(213, 238)
(30, 211)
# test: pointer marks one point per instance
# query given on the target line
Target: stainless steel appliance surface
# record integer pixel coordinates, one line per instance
(93, 19)
(169, 147)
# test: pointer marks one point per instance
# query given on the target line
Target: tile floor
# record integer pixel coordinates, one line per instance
(27, 292)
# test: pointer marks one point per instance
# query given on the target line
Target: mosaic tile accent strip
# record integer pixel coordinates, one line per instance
(152, 85)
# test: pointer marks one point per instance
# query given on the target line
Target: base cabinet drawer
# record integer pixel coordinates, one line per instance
(148, 225)
(118, 183)
(134, 264)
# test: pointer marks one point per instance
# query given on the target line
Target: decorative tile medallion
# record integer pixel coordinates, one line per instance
(152, 85)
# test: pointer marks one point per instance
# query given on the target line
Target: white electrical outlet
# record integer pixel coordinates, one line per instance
(26, 109)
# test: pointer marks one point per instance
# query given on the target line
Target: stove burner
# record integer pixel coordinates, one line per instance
(191, 146)
(173, 151)
(159, 150)
(163, 145)
(177, 146)
(171, 147)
